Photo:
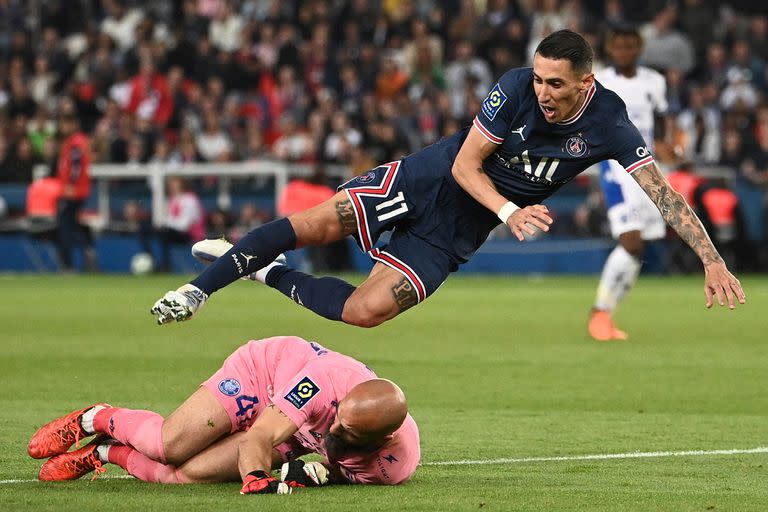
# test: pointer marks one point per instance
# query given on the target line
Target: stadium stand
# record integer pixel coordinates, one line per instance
(212, 89)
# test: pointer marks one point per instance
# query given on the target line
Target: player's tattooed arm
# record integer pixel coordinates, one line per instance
(404, 295)
(677, 213)
(346, 216)
(719, 283)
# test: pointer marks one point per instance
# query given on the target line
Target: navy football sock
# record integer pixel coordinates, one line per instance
(323, 295)
(254, 251)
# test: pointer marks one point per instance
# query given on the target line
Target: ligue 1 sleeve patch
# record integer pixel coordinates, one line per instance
(302, 393)
(492, 104)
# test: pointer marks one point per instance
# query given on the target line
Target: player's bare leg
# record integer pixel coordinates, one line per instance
(618, 277)
(155, 445)
(633, 243)
(195, 425)
(216, 463)
(325, 223)
(384, 295)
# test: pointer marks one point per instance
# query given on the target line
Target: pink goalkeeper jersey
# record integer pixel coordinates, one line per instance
(307, 382)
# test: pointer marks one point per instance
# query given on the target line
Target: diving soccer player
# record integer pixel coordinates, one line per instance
(537, 129)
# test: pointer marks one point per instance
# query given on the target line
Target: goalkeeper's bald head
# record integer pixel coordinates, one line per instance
(368, 416)
(376, 407)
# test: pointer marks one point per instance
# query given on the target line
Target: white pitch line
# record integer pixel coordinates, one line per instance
(601, 456)
(116, 477)
(559, 458)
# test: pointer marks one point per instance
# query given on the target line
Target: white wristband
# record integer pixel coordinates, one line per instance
(507, 210)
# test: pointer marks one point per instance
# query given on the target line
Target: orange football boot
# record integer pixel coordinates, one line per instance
(73, 465)
(59, 435)
(602, 328)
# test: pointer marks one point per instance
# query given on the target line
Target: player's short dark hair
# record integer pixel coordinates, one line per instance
(570, 46)
(624, 31)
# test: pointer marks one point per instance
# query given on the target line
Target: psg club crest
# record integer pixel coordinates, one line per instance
(575, 146)
(229, 387)
(366, 178)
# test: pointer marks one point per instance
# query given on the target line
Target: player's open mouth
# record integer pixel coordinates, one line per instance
(549, 112)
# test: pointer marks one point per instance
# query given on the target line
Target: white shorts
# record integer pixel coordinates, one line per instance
(629, 207)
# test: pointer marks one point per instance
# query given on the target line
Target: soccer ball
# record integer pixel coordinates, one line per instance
(141, 264)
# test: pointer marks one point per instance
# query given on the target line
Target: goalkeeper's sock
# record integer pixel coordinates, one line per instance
(86, 420)
(325, 296)
(144, 468)
(255, 250)
(102, 451)
(619, 276)
(140, 429)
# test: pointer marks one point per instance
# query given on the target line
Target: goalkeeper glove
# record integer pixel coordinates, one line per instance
(261, 482)
(179, 304)
(298, 473)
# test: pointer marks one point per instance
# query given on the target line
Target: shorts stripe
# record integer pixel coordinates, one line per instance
(362, 223)
(412, 277)
(486, 133)
(354, 194)
(635, 166)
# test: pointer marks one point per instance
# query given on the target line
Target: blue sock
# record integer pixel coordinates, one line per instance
(255, 250)
(323, 295)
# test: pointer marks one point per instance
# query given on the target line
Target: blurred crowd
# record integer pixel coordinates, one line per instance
(354, 82)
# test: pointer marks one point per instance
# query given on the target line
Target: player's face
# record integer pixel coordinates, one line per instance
(624, 51)
(560, 90)
(335, 446)
(344, 436)
(342, 439)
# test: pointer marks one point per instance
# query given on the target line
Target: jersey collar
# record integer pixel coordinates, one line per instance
(577, 115)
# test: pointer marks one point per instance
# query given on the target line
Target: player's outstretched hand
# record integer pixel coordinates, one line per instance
(298, 473)
(179, 304)
(720, 283)
(525, 220)
(261, 482)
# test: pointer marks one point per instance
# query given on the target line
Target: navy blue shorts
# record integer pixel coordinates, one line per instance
(425, 266)
(429, 216)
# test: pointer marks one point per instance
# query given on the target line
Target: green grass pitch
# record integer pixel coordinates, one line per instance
(494, 367)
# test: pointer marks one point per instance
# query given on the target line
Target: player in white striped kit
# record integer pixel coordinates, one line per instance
(633, 217)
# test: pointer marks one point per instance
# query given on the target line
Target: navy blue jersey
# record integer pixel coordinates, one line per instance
(438, 225)
(534, 157)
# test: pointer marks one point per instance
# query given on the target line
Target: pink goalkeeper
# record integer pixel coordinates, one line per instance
(272, 401)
